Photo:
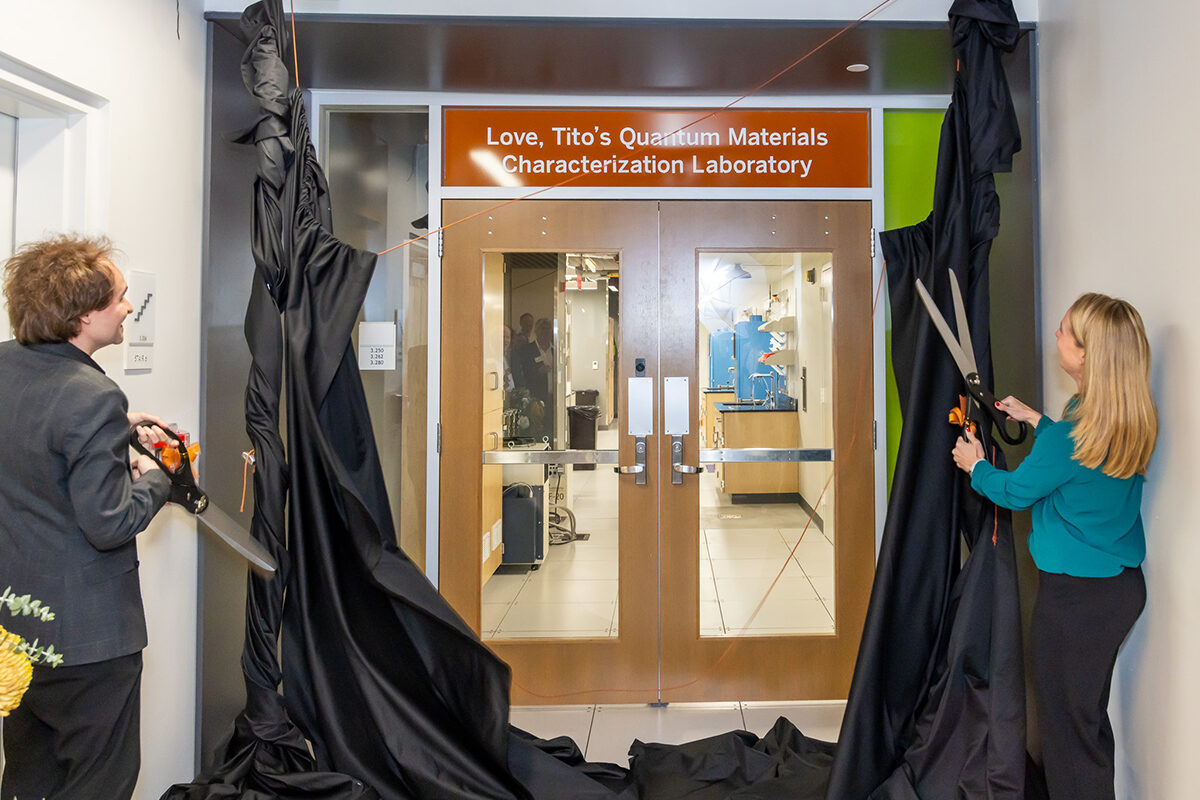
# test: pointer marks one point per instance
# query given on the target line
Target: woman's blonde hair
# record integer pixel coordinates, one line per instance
(1116, 423)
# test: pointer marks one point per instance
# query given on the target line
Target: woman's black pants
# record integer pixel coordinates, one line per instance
(1078, 626)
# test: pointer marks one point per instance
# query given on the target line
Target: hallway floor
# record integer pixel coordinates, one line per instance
(605, 732)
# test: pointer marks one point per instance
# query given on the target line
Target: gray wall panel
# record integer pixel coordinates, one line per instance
(228, 269)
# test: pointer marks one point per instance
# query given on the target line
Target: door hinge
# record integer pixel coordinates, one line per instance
(872, 242)
(874, 435)
(439, 438)
(441, 243)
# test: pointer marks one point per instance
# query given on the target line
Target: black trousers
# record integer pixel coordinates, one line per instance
(1078, 626)
(76, 734)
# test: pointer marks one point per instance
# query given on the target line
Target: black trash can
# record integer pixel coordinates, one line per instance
(582, 431)
(587, 397)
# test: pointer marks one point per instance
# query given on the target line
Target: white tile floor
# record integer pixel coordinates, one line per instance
(761, 571)
(605, 732)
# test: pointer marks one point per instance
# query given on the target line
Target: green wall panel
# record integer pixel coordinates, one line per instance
(910, 142)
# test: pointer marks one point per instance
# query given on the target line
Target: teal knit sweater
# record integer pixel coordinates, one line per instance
(1085, 523)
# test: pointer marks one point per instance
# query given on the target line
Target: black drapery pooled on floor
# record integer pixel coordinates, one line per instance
(937, 703)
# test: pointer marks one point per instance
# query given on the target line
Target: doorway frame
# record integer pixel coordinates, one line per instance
(324, 101)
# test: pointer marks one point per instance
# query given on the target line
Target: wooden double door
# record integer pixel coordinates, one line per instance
(588, 531)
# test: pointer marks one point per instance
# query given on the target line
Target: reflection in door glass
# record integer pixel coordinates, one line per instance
(549, 547)
(378, 168)
(766, 369)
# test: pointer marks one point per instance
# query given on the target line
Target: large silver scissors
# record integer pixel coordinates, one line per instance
(964, 356)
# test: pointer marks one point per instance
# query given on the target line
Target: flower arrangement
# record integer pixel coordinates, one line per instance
(18, 656)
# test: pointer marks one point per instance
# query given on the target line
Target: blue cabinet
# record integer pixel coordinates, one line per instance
(733, 358)
(722, 361)
(751, 344)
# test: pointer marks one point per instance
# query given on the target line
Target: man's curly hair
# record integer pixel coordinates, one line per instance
(49, 285)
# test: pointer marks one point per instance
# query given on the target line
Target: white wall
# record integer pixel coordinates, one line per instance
(8, 151)
(150, 202)
(934, 10)
(1120, 203)
(588, 311)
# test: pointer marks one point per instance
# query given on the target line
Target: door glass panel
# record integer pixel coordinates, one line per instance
(766, 370)
(378, 168)
(549, 540)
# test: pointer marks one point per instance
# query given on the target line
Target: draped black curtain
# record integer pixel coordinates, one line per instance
(396, 695)
(937, 704)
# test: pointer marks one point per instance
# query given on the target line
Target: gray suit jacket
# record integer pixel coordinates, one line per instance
(69, 508)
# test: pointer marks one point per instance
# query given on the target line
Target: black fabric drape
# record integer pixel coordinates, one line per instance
(395, 693)
(267, 755)
(389, 683)
(937, 704)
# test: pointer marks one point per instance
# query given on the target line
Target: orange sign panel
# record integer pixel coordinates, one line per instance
(503, 146)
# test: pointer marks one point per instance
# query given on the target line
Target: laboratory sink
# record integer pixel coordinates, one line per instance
(781, 404)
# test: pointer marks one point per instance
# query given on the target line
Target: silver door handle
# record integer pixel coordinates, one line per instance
(637, 468)
(493, 380)
(495, 440)
(678, 468)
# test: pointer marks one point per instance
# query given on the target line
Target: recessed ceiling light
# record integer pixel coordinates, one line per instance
(857, 68)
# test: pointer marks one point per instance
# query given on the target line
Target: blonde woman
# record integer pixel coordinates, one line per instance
(1083, 480)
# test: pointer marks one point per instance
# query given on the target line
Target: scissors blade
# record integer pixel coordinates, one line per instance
(236, 537)
(960, 318)
(965, 365)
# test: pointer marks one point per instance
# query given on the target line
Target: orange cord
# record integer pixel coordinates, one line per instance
(995, 508)
(246, 458)
(295, 53)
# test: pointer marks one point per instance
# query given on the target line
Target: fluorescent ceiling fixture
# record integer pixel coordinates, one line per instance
(858, 68)
(727, 273)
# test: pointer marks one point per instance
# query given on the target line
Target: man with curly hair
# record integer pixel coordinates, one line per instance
(71, 504)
